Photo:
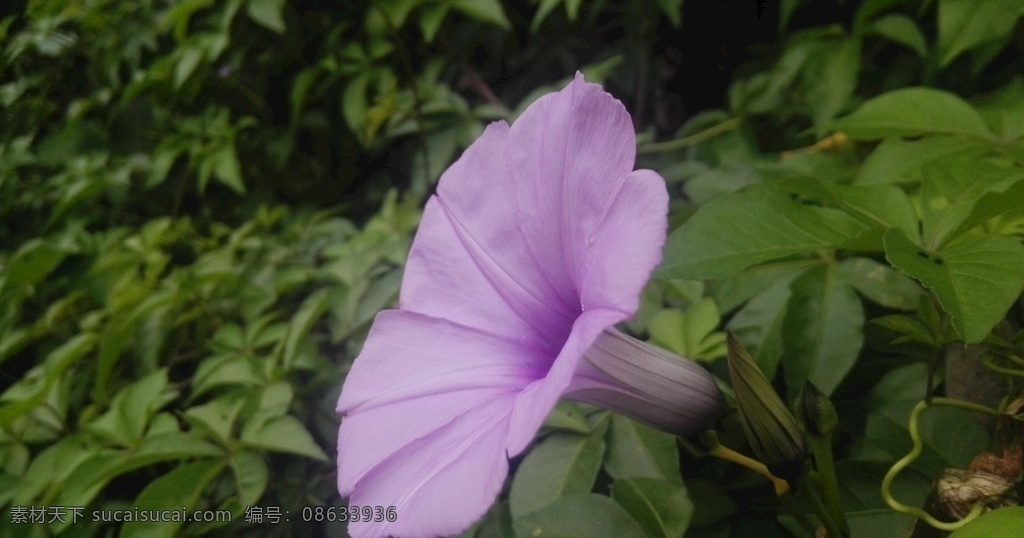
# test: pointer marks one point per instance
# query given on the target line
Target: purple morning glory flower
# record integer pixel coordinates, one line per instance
(539, 240)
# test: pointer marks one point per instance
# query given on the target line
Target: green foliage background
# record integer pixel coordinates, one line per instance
(206, 202)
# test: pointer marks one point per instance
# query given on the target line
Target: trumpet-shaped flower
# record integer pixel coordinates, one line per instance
(539, 239)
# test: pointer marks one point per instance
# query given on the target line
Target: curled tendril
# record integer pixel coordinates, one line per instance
(902, 463)
(989, 362)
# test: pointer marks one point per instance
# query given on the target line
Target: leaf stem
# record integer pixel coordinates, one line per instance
(833, 529)
(826, 479)
(694, 139)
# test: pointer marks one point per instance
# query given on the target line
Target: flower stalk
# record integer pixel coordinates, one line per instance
(715, 448)
(819, 418)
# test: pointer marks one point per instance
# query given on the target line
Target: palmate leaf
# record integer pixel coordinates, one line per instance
(976, 281)
(752, 226)
(689, 333)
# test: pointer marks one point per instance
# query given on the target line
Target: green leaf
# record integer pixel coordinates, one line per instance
(903, 30)
(880, 283)
(496, 524)
(690, 333)
(880, 206)
(673, 10)
(89, 477)
(302, 322)
(188, 61)
(567, 415)
(219, 370)
(284, 434)
(267, 13)
(274, 401)
(900, 161)
(251, 476)
(1003, 109)
(579, 516)
(976, 280)
(13, 340)
(912, 112)
(226, 168)
(564, 464)
(823, 331)
(968, 24)
(182, 487)
(752, 226)
(950, 437)
(706, 185)
(758, 325)
(489, 11)
(869, 9)
(831, 76)
(32, 262)
(1006, 521)
(217, 417)
(951, 196)
(662, 508)
(354, 102)
(544, 8)
(54, 365)
(859, 491)
(52, 466)
(877, 522)
(431, 19)
(909, 329)
(636, 450)
(168, 446)
(131, 409)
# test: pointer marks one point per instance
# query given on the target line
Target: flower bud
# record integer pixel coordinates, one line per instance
(770, 428)
(816, 411)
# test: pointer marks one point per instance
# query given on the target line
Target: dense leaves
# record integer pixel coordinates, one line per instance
(206, 203)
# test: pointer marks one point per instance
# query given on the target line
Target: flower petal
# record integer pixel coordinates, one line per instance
(453, 273)
(504, 243)
(535, 402)
(573, 149)
(626, 245)
(408, 355)
(368, 439)
(442, 483)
